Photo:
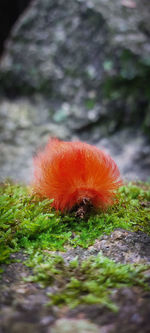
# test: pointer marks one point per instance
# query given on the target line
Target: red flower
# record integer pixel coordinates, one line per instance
(70, 172)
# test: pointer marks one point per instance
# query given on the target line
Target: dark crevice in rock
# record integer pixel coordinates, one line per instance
(9, 13)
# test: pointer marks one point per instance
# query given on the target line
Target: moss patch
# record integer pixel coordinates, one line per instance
(89, 282)
(28, 223)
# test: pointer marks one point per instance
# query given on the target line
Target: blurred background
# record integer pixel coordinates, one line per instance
(75, 69)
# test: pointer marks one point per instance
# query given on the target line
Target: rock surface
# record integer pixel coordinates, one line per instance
(66, 50)
(129, 23)
(77, 70)
(24, 128)
(22, 304)
(122, 246)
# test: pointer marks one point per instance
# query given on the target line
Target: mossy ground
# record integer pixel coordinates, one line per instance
(31, 225)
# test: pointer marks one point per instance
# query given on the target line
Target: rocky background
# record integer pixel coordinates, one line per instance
(76, 69)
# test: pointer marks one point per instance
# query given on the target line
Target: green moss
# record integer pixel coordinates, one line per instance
(30, 224)
(26, 222)
(89, 282)
(90, 103)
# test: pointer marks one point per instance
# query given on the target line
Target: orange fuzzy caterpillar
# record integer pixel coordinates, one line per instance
(70, 172)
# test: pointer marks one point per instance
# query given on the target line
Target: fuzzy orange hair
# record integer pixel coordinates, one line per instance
(69, 172)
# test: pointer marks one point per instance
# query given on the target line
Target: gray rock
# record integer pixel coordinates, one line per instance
(130, 26)
(122, 246)
(74, 325)
(66, 50)
(61, 55)
(61, 58)
(25, 127)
